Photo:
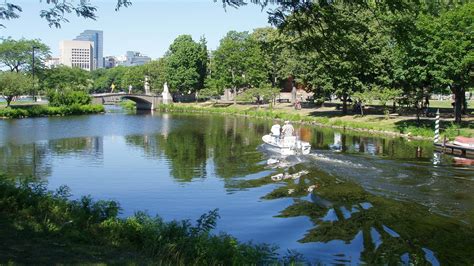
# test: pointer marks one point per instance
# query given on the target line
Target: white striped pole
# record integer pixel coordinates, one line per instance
(436, 137)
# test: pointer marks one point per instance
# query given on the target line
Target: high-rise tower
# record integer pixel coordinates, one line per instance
(97, 37)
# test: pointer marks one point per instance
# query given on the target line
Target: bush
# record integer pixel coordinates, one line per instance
(128, 105)
(68, 98)
(38, 111)
(31, 207)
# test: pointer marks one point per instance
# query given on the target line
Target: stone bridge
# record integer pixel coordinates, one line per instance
(143, 101)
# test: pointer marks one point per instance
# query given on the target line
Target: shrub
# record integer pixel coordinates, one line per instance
(31, 207)
(128, 105)
(37, 111)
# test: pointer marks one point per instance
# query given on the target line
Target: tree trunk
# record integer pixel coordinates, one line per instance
(344, 104)
(394, 106)
(235, 95)
(235, 88)
(464, 103)
(458, 102)
(8, 99)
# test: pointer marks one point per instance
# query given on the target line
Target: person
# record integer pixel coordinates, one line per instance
(130, 87)
(288, 129)
(297, 105)
(276, 128)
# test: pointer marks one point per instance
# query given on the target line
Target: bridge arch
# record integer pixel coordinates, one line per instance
(142, 104)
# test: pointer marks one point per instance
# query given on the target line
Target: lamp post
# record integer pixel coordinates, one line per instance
(33, 70)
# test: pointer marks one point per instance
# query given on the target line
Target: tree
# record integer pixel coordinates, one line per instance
(186, 64)
(238, 63)
(13, 84)
(66, 78)
(157, 71)
(58, 11)
(338, 40)
(100, 78)
(135, 77)
(272, 45)
(203, 62)
(56, 14)
(452, 45)
(18, 55)
(264, 93)
(104, 78)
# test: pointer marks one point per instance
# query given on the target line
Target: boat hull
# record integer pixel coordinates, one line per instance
(286, 146)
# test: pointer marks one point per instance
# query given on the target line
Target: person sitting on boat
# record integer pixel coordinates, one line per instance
(288, 130)
(276, 129)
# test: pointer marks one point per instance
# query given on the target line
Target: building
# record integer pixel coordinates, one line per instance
(110, 62)
(52, 62)
(132, 58)
(77, 54)
(97, 37)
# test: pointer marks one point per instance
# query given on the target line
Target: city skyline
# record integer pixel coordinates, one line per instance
(146, 26)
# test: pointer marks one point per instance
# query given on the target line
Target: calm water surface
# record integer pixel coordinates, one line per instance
(374, 200)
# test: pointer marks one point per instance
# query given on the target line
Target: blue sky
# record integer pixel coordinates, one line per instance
(147, 26)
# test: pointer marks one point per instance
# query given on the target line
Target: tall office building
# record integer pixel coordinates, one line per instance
(97, 37)
(77, 54)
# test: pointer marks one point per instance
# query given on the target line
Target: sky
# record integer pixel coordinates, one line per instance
(148, 26)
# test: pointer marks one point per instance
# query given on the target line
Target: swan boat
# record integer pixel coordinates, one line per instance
(286, 146)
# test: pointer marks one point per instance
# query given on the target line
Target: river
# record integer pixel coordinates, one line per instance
(375, 199)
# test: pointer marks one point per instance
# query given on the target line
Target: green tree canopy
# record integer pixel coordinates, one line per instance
(238, 62)
(103, 78)
(66, 78)
(135, 77)
(452, 44)
(17, 55)
(156, 70)
(14, 84)
(186, 64)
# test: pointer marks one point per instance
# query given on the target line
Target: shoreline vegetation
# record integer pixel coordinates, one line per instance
(402, 127)
(44, 110)
(45, 227)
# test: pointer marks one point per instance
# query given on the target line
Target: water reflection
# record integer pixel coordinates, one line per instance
(349, 142)
(229, 141)
(35, 160)
(374, 200)
(381, 230)
(25, 160)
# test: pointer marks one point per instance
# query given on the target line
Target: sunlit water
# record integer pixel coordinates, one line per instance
(375, 200)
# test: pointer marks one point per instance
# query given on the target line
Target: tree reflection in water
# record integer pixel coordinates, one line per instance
(341, 209)
(229, 141)
(393, 231)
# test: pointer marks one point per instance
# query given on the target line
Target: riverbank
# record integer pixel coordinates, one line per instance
(404, 126)
(42, 227)
(44, 110)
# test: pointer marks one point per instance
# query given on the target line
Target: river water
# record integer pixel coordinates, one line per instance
(374, 199)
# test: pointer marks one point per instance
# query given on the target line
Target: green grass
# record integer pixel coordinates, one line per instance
(44, 227)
